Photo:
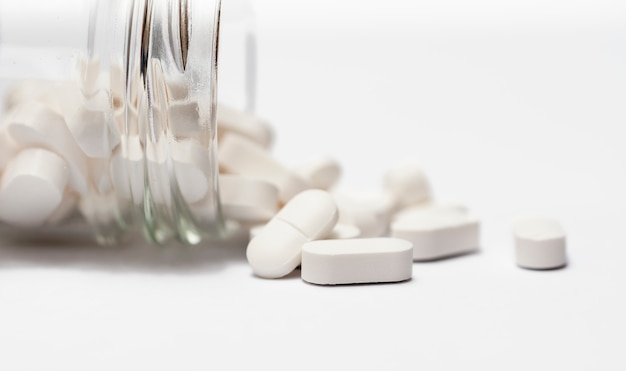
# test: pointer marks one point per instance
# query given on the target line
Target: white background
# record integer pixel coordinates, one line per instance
(510, 106)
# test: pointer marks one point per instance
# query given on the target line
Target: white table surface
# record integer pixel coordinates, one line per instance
(510, 106)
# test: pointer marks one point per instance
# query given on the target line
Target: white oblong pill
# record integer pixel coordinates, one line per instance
(540, 243)
(320, 172)
(157, 175)
(230, 120)
(192, 162)
(93, 127)
(34, 125)
(340, 232)
(28, 90)
(438, 235)
(368, 260)
(7, 148)
(421, 210)
(127, 169)
(370, 212)
(32, 187)
(87, 73)
(65, 210)
(408, 184)
(344, 232)
(312, 212)
(238, 155)
(184, 119)
(247, 200)
(255, 230)
(276, 250)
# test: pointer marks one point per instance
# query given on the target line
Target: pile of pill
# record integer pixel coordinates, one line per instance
(58, 146)
(297, 218)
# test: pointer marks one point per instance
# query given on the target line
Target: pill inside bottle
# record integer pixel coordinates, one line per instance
(109, 115)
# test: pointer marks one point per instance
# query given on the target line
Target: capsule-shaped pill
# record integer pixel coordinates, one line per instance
(238, 155)
(35, 125)
(408, 185)
(320, 172)
(540, 243)
(362, 260)
(32, 187)
(277, 249)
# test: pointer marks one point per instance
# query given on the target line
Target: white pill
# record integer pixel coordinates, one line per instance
(439, 234)
(420, 210)
(27, 90)
(370, 260)
(93, 127)
(230, 120)
(189, 158)
(117, 82)
(247, 200)
(321, 172)
(32, 187)
(238, 155)
(7, 148)
(192, 162)
(87, 74)
(65, 210)
(408, 184)
(127, 169)
(157, 171)
(127, 120)
(184, 119)
(34, 125)
(540, 243)
(276, 250)
(340, 232)
(370, 212)
(343, 232)
(177, 88)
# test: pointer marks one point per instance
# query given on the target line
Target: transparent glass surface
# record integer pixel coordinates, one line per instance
(108, 115)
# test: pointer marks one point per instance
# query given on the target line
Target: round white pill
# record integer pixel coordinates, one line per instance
(370, 260)
(276, 250)
(32, 187)
(540, 243)
(408, 184)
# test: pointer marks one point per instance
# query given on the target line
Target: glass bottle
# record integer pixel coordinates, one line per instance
(109, 115)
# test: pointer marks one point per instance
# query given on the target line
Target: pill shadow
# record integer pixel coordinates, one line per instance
(294, 275)
(546, 270)
(462, 255)
(364, 284)
(135, 255)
